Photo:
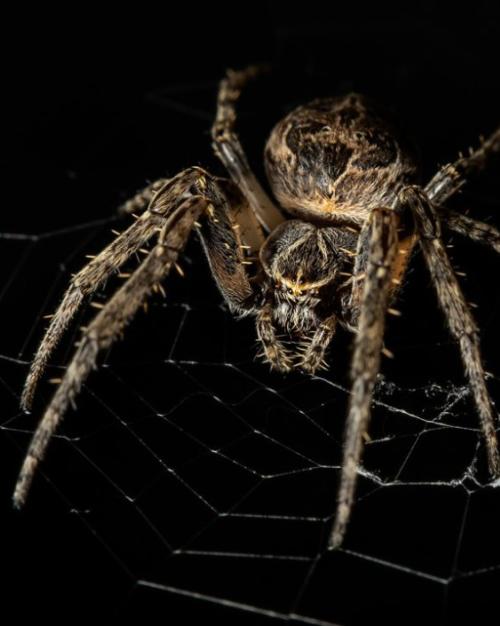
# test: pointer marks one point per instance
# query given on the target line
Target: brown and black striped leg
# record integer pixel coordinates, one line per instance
(460, 321)
(161, 209)
(228, 148)
(231, 238)
(100, 268)
(453, 176)
(381, 254)
(82, 286)
(142, 199)
(105, 329)
(351, 300)
(176, 208)
(479, 232)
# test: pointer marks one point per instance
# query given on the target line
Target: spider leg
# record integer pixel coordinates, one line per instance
(100, 268)
(313, 357)
(351, 301)
(105, 328)
(171, 215)
(141, 200)
(458, 315)
(228, 148)
(468, 227)
(382, 244)
(231, 238)
(454, 175)
(82, 286)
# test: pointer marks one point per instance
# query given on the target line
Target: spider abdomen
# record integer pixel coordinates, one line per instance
(337, 158)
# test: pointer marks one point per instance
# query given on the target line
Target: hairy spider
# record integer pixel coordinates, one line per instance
(335, 252)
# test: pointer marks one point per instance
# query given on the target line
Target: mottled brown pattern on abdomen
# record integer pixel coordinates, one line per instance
(336, 159)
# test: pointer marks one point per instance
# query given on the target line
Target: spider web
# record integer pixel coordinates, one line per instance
(211, 481)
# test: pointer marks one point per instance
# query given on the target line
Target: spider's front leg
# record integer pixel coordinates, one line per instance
(171, 217)
(84, 284)
(380, 236)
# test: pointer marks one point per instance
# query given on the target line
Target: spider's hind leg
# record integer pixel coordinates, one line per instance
(478, 231)
(453, 176)
(228, 148)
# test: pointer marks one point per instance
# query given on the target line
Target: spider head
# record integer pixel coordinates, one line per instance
(303, 264)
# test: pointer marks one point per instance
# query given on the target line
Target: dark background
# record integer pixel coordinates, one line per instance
(95, 106)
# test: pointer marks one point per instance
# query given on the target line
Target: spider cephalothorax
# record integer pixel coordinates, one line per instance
(347, 177)
(305, 268)
(305, 264)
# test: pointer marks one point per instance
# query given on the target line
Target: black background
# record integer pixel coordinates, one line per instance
(97, 104)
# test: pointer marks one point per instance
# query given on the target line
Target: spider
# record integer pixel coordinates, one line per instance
(334, 252)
